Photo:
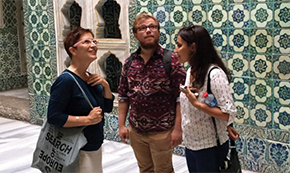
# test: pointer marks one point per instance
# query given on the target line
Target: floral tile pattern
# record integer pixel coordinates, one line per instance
(162, 13)
(261, 66)
(217, 16)
(281, 117)
(197, 15)
(281, 12)
(238, 40)
(282, 41)
(261, 41)
(261, 91)
(240, 88)
(261, 115)
(242, 116)
(281, 66)
(238, 64)
(220, 39)
(262, 15)
(281, 90)
(178, 16)
(239, 16)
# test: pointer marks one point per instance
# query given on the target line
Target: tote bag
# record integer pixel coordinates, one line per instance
(57, 149)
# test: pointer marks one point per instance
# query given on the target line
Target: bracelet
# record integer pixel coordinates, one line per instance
(77, 117)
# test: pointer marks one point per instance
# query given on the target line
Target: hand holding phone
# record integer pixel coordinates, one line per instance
(183, 87)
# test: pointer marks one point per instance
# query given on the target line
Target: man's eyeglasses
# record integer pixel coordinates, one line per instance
(143, 28)
(86, 42)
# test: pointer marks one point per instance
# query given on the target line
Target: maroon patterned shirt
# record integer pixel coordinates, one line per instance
(151, 93)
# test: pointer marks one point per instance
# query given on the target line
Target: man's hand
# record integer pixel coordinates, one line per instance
(176, 138)
(124, 134)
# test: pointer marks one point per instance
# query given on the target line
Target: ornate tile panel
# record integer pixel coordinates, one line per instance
(238, 40)
(238, 64)
(197, 14)
(217, 16)
(281, 117)
(281, 90)
(261, 91)
(281, 64)
(240, 88)
(282, 41)
(178, 16)
(261, 41)
(261, 115)
(261, 66)
(239, 15)
(262, 15)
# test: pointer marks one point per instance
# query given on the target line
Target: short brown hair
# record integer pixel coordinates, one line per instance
(143, 16)
(73, 36)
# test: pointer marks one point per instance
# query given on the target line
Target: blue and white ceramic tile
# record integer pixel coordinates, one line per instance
(281, 13)
(197, 15)
(238, 64)
(261, 91)
(281, 117)
(256, 149)
(178, 16)
(162, 13)
(281, 90)
(220, 39)
(282, 41)
(261, 66)
(218, 16)
(279, 153)
(240, 88)
(238, 40)
(261, 115)
(261, 41)
(242, 116)
(239, 16)
(173, 37)
(164, 39)
(281, 66)
(262, 15)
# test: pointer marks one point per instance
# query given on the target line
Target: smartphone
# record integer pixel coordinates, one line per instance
(183, 87)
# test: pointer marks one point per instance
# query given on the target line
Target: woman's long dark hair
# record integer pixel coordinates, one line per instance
(205, 53)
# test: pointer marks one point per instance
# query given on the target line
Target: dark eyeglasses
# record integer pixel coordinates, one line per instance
(143, 28)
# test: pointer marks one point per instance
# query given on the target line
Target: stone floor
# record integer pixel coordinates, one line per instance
(18, 140)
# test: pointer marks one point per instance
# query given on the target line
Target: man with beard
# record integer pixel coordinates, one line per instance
(153, 98)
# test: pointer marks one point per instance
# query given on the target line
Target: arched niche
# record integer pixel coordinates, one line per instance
(108, 16)
(110, 69)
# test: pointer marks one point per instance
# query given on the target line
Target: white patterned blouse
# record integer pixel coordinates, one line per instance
(197, 126)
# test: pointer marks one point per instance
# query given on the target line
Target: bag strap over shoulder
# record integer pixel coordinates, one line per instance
(84, 94)
(208, 80)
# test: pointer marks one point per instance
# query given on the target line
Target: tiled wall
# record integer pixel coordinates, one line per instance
(252, 36)
(40, 54)
(11, 75)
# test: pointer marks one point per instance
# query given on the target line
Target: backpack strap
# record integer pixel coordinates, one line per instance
(166, 62)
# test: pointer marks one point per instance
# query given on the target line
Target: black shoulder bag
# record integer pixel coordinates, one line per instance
(231, 164)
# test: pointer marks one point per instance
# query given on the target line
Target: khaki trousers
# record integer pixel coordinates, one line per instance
(90, 161)
(152, 151)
